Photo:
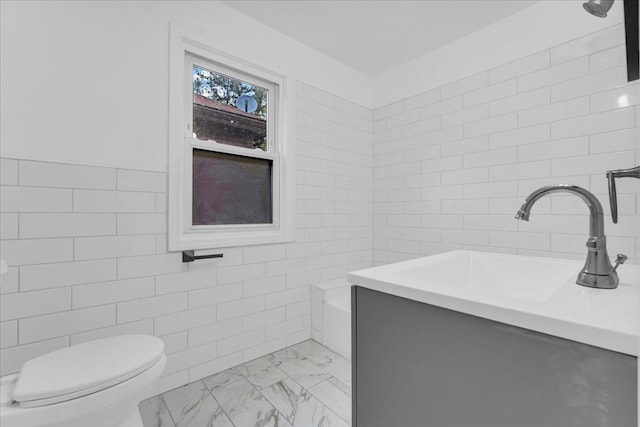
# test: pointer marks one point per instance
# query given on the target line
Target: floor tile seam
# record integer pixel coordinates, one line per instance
(328, 408)
(162, 402)
(322, 368)
(246, 377)
(325, 372)
(347, 386)
(297, 351)
(224, 411)
(218, 403)
(203, 384)
(229, 383)
(273, 404)
(252, 386)
(274, 366)
(241, 377)
(308, 389)
(305, 356)
(325, 404)
(268, 401)
(258, 358)
(333, 412)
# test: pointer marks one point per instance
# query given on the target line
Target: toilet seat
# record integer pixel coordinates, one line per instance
(86, 368)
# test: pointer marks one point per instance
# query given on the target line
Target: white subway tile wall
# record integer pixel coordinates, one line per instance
(86, 248)
(563, 115)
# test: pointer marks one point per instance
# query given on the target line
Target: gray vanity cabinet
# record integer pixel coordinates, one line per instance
(419, 365)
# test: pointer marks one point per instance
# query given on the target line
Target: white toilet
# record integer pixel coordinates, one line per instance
(93, 384)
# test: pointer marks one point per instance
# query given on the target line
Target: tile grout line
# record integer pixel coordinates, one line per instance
(162, 402)
(218, 403)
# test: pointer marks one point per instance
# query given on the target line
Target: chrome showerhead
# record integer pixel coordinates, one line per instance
(598, 8)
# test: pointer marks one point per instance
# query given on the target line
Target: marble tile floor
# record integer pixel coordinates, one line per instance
(305, 385)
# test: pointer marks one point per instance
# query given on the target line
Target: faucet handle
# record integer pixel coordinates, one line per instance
(620, 259)
(613, 199)
(611, 177)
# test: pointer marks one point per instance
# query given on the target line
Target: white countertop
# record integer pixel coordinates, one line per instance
(530, 292)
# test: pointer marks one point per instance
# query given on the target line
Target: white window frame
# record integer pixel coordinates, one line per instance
(182, 234)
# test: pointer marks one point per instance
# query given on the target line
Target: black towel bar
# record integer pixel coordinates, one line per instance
(189, 256)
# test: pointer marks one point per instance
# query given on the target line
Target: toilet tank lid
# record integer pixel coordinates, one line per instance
(86, 366)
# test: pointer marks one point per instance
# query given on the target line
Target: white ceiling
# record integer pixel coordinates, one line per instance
(375, 36)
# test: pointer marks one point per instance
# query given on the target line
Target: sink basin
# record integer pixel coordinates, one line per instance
(517, 277)
(535, 293)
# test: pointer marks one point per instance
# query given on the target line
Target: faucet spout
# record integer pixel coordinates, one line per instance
(596, 213)
(597, 271)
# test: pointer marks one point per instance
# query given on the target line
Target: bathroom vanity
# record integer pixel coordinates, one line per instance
(471, 339)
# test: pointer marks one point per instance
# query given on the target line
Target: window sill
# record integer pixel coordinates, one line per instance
(226, 240)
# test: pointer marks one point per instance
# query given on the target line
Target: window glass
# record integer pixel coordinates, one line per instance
(229, 111)
(231, 189)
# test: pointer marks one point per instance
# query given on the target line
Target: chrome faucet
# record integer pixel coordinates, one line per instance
(597, 271)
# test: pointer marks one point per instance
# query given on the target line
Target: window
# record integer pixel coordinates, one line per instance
(230, 111)
(230, 180)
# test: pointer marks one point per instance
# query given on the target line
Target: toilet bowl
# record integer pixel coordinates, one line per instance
(94, 384)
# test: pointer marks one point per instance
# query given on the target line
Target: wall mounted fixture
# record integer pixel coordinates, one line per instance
(600, 8)
(611, 177)
(190, 256)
